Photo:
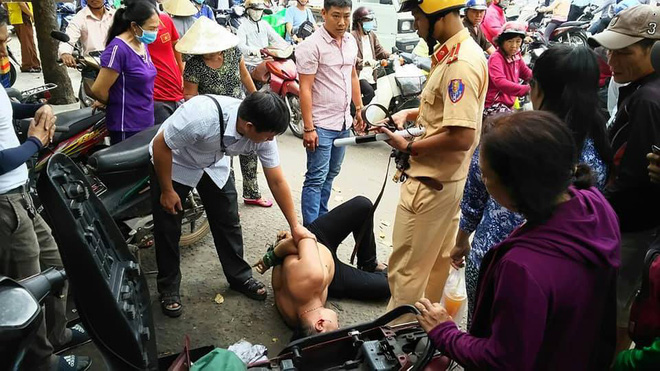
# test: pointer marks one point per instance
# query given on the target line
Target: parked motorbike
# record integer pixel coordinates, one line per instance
(88, 65)
(532, 50)
(398, 84)
(277, 72)
(573, 33)
(230, 18)
(22, 313)
(119, 176)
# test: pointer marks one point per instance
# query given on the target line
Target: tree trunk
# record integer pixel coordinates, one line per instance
(45, 21)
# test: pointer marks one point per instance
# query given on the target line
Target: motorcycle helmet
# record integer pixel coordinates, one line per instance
(255, 9)
(362, 14)
(476, 4)
(510, 30)
(431, 7)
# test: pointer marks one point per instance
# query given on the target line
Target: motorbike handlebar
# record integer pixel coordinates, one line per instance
(40, 285)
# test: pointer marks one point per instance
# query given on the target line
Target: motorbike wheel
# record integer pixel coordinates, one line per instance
(296, 123)
(194, 225)
(574, 38)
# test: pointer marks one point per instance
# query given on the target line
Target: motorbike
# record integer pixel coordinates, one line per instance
(277, 72)
(39, 94)
(88, 65)
(22, 313)
(399, 83)
(532, 50)
(230, 18)
(573, 33)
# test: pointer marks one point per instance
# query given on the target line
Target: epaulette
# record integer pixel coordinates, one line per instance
(453, 56)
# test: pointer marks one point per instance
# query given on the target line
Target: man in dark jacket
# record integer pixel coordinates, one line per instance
(629, 39)
(369, 51)
(475, 10)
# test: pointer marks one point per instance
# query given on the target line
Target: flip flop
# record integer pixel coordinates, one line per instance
(258, 202)
(73, 363)
(250, 289)
(78, 337)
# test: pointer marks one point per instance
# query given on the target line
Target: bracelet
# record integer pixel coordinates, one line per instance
(271, 260)
(309, 130)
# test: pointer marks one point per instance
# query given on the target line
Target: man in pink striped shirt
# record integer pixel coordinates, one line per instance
(328, 83)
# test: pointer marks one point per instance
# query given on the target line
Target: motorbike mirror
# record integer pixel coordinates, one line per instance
(373, 114)
(238, 10)
(655, 56)
(60, 36)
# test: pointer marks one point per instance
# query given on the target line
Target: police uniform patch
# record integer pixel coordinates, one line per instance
(456, 90)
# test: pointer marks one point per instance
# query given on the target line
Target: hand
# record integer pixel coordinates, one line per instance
(358, 123)
(396, 141)
(432, 315)
(42, 130)
(654, 167)
(97, 106)
(310, 140)
(458, 254)
(296, 39)
(68, 60)
(400, 119)
(283, 235)
(45, 116)
(171, 202)
(299, 232)
(260, 266)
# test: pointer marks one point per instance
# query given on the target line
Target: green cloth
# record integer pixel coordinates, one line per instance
(219, 359)
(277, 21)
(640, 359)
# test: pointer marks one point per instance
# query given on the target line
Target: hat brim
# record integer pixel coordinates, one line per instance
(477, 7)
(612, 40)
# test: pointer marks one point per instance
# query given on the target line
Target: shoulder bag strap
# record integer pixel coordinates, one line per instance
(222, 123)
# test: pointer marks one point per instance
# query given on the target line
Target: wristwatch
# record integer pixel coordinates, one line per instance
(410, 150)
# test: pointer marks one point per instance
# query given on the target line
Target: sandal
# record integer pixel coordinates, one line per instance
(78, 337)
(170, 304)
(250, 288)
(258, 202)
(73, 363)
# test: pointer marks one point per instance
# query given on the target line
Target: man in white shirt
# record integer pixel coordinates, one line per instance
(89, 26)
(254, 33)
(190, 150)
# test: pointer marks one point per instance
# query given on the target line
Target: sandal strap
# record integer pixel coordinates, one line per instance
(252, 284)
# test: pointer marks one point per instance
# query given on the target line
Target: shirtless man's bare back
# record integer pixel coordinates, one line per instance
(301, 284)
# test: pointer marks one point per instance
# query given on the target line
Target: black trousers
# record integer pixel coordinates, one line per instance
(221, 208)
(331, 229)
(367, 91)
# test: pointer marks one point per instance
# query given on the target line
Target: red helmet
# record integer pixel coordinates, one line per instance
(362, 14)
(514, 27)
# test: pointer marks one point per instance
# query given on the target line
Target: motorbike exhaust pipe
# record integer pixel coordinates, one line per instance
(406, 133)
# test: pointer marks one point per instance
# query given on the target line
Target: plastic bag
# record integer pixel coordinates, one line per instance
(454, 297)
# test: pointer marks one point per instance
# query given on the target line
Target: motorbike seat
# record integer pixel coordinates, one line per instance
(75, 121)
(129, 154)
(14, 93)
(573, 24)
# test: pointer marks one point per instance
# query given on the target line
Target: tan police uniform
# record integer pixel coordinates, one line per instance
(426, 220)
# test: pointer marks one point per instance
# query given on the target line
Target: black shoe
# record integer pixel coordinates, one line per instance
(73, 363)
(78, 337)
(250, 288)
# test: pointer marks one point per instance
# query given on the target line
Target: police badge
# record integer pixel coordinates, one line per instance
(456, 90)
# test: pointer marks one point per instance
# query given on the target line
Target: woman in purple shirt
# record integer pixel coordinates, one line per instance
(546, 295)
(125, 85)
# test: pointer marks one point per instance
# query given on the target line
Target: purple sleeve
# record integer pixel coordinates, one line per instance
(113, 57)
(517, 330)
(499, 80)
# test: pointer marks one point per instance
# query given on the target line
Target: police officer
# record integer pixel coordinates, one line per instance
(451, 106)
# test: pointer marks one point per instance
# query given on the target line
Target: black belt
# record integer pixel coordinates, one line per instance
(18, 190)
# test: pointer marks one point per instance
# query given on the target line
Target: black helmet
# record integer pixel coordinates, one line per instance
(362, 14)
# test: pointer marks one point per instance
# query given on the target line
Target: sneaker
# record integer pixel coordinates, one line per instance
(73, 363)
(79, 336)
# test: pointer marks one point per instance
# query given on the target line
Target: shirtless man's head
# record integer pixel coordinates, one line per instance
(318, 320)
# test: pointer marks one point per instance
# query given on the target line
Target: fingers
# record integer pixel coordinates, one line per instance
(426, 303)
(178, 206)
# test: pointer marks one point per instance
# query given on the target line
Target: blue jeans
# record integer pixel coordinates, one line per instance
(323, 165)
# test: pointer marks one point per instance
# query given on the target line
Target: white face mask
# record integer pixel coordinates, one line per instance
(255, 14)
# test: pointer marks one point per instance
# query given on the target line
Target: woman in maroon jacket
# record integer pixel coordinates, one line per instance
(546, 295)
(505, 70)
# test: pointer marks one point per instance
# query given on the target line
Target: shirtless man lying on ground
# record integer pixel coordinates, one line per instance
(304, 275)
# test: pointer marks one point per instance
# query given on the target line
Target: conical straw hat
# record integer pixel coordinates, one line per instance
(181, 8)
(206, 36)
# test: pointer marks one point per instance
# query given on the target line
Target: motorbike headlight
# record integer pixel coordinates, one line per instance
(405, 26)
